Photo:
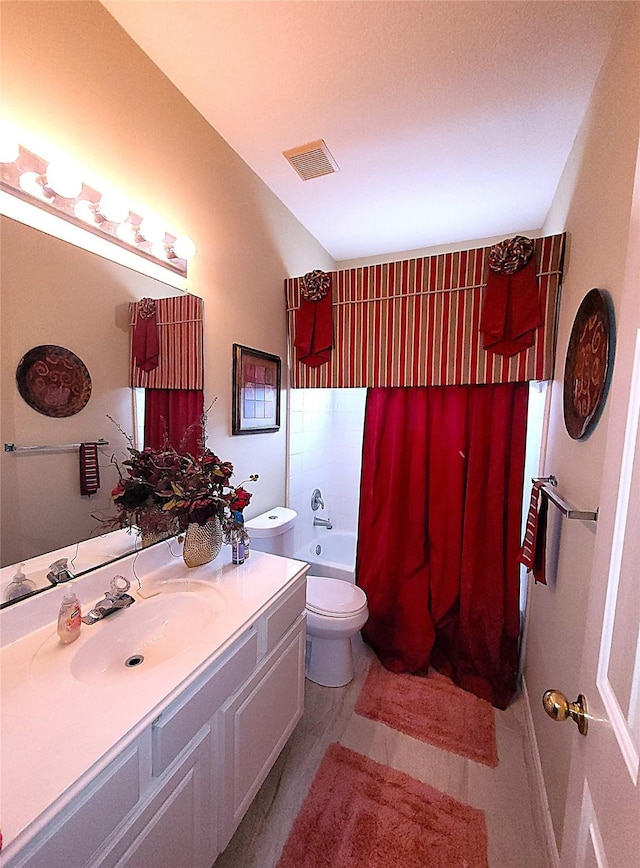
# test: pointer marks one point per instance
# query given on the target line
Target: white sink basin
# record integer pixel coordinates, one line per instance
(143, 636)
(182, 585)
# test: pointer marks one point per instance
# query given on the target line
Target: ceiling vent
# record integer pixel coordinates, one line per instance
(312, 160)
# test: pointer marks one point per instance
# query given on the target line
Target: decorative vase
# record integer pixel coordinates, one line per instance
(202, 542)
(149, 537)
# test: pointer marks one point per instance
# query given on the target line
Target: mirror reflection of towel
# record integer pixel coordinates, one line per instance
(314, 331)
(511, 311)
(89, 469)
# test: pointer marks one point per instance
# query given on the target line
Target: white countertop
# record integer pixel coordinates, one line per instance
(57, 731)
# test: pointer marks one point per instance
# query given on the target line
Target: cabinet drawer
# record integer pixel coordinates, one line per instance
(174, 826)
(278, 621)
(175, 728)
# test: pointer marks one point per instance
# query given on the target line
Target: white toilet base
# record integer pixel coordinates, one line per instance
(329, 661)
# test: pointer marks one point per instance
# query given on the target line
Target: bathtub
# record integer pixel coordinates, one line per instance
(332, 553)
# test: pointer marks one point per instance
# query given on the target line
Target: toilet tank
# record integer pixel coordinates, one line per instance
(272, 531)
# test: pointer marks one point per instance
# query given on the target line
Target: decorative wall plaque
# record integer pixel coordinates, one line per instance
(587, 365)
(53, 381)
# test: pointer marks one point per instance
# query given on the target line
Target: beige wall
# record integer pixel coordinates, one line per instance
(593, 205)
(71, 75)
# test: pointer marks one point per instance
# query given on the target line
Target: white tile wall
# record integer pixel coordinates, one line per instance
(325, 452)
(532, 468)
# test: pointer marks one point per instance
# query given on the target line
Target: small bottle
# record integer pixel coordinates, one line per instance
(69, 617)
(19, 586)
(247, 543)
(237, 539)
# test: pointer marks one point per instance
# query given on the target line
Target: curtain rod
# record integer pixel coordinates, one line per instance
(399, 296)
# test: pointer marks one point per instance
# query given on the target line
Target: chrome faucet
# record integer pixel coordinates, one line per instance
(316, 500)
(115, 599)
(322, 522)
(59, 572)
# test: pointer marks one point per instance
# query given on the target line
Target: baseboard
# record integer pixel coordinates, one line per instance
(539, 801)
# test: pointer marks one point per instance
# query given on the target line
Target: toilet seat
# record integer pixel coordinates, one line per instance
(334, 597)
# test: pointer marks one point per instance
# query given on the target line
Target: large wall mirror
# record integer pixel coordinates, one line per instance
(53, 292)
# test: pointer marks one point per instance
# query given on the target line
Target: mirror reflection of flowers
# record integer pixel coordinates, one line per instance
(162, 491)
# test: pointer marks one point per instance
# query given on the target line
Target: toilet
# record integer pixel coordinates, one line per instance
(336, 609)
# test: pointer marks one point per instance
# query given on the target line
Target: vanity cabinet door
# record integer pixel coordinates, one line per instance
(177, 825)
(256, 724)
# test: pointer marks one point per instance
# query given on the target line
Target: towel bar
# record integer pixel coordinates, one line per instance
(11, 447)
(548, 490)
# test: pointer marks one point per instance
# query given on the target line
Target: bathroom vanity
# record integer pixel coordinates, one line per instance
(152, 763)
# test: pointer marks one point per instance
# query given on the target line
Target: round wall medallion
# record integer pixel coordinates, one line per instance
(587, 365)
(53, 381)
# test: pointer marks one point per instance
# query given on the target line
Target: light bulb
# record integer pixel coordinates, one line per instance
(85, 210)
(64, 180)
(159, 250)
(184, 248)
(114, 208)
(151, 229)
(9, 148)
(126, 232)
(31, 183)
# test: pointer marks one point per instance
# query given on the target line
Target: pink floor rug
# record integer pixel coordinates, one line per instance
(361, 814)
(432, 709)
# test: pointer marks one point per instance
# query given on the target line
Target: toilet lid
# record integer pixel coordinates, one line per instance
(334, 597)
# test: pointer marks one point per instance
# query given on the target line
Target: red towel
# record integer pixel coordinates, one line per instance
(89, 470)
(314, 331)
(145, 346)
(511, 311)
(532, 553)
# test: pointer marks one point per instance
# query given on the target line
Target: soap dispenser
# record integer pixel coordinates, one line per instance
(69, 616)
(19, 586)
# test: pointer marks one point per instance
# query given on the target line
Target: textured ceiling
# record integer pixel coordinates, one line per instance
(449, 121)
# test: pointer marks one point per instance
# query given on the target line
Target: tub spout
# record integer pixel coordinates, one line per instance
(322, 522)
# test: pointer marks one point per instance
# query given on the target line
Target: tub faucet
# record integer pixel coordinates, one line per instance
(59, 572)
(115, 599)
(322, 522)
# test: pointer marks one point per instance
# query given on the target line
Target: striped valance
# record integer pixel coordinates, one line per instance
(180, 357)
(416, 323)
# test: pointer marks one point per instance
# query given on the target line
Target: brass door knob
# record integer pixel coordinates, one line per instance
(557, 707)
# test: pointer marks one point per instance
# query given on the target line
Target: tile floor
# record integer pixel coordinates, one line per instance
(502, 793)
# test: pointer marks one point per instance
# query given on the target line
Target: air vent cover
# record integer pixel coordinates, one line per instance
(312, 160)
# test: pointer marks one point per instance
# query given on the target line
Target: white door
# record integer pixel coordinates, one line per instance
(602, 820)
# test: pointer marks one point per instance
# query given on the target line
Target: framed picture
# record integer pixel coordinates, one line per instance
(256, 391)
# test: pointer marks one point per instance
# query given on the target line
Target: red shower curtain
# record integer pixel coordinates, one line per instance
(174, 416)
(439, 531)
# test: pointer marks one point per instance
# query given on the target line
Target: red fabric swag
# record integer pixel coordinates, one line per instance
(439, 531)
(314, 331)
(174, 416)
(145, 345)
(511, 311)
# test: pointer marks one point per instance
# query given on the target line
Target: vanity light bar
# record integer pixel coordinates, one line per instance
(57, 188)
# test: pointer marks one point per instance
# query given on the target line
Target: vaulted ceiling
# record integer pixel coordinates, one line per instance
(449, 121)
